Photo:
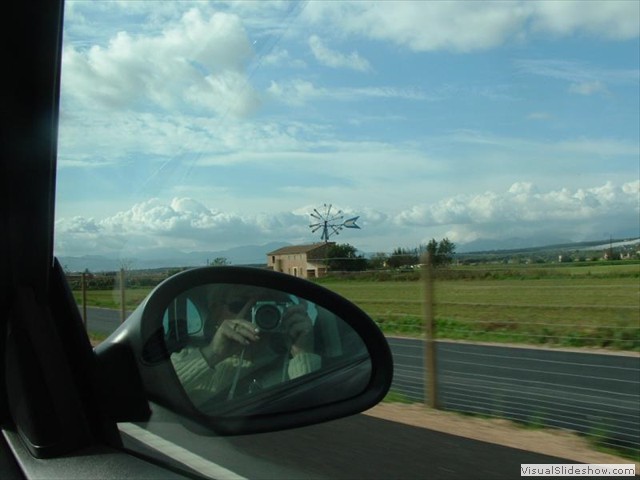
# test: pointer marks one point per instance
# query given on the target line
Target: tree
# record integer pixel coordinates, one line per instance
(344, 257)
(401, 257)
(441, 253)
(432, 250)
(446, 250)
(219, 262)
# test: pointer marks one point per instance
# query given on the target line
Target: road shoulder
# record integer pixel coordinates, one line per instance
(553, 442)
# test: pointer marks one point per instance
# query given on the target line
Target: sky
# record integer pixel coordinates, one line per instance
(202, 126)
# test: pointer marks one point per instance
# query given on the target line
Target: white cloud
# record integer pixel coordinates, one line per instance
(583, 79)
(523, 203)
(467, 26)
(534, 216)
(423, 26)
(603, 147)
(523, 209)
(331, 58)
(197, 62)
(298, 92)
(182, 223)
(588, 88)
(577, 72)
(616, 20)
(281, 57)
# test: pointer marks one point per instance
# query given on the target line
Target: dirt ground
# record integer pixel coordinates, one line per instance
(553, 442)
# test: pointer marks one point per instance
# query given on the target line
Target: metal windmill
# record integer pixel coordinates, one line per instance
(330, 222)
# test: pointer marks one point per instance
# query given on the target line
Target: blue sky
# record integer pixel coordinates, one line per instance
(203, 126)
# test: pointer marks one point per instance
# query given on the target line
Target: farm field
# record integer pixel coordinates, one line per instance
(561, 306)
(573, 312)
(111, 298)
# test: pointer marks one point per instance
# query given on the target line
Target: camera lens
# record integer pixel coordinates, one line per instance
(267, 317)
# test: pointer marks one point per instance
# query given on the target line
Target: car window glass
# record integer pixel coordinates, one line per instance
(191, 322)
(324, 138)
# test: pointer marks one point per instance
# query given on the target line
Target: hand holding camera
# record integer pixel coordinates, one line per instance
(286, 318)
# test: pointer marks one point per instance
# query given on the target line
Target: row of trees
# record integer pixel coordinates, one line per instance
(345, 257)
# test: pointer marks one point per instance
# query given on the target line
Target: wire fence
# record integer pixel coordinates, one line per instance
(506, 366)
(594, 394)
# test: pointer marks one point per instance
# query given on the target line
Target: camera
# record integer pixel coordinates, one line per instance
(267, 315)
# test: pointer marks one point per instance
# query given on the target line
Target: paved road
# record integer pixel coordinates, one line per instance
(355, 447)
(580, 391)
(102, 320)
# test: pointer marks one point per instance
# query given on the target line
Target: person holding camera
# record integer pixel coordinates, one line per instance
(250, 327)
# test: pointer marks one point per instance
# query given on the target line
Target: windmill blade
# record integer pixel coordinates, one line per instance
(336, 229)
(351, 223)
(331, 221)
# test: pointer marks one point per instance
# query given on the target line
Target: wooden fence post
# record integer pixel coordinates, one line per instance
(431, 373)
(84, 299)
(122, 287)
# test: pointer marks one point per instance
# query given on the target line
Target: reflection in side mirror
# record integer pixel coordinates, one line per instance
(245, 350)
(256, 343)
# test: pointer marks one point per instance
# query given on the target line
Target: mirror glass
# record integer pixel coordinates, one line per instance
(242, 350)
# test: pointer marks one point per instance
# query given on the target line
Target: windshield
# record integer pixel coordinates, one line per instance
(350, 143)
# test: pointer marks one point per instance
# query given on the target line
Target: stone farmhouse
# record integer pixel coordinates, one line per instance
(305, 261)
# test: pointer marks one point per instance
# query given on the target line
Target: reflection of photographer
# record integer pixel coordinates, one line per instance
(249, 328)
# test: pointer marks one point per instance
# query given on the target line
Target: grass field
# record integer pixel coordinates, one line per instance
(573, 312)
(576, 306)
(111, 298)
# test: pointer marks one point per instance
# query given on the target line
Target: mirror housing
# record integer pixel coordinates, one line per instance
(349, 387)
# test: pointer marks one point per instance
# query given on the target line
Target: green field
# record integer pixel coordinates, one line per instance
(573, 312)
(111, 298)
(576, 306)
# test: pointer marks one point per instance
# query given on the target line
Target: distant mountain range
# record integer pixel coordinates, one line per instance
(513, 247)
(257, 254)
(170, 258)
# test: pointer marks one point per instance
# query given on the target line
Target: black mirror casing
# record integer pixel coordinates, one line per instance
(144, 335)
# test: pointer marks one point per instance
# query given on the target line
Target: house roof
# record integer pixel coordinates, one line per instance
(293, 249)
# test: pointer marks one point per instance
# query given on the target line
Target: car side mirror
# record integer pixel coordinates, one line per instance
(246, 350)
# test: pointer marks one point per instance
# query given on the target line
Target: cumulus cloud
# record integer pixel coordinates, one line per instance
(331, 58)
(522, 210)
(423, 26)
(197, 62)
(182, 223)
(473, 26)
(523, 204)
(616, 20)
